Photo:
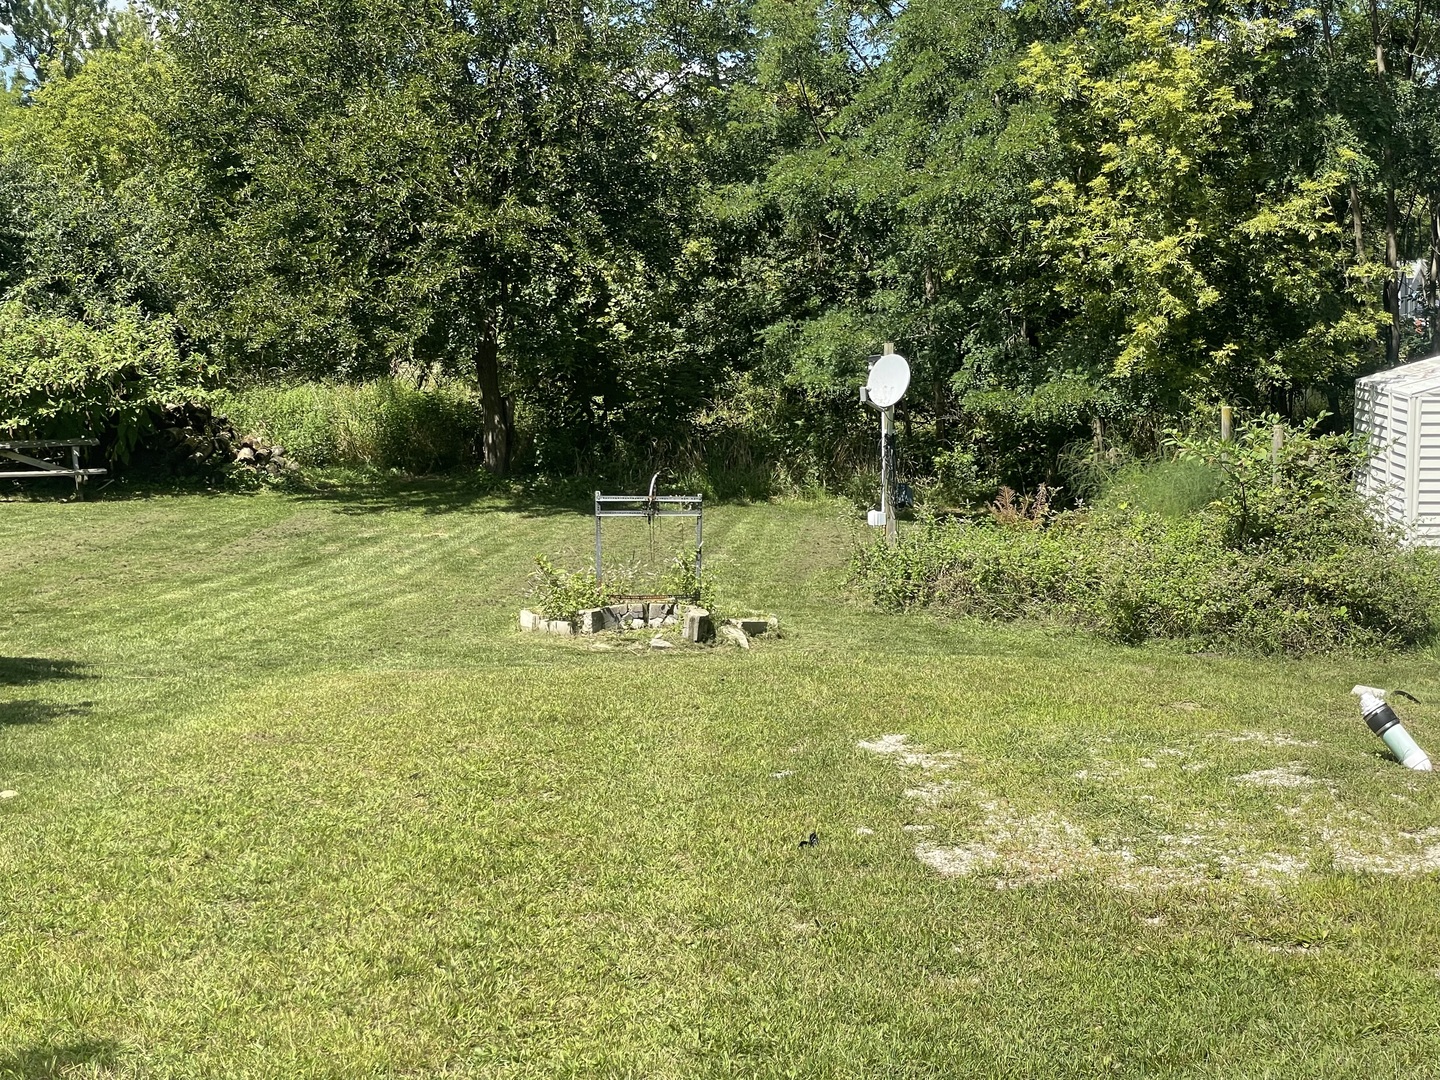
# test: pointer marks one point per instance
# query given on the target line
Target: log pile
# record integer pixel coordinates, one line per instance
(192, 437)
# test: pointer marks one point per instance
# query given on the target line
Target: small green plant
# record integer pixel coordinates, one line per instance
(563, 595)
(682, 582)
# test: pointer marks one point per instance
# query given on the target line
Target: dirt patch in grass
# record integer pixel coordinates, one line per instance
(1290, 775)
(1005, 844)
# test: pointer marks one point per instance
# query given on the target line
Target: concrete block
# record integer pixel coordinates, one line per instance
(699, 626)
(752, 627)
(563, 627)
(592, 620)
(529, 620)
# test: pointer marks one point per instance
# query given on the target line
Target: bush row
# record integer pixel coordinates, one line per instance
(61, 377)
(1129, 576)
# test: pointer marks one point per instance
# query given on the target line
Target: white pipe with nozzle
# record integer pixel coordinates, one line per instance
(1382, 720)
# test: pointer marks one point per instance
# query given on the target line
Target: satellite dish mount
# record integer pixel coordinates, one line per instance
(889, 379)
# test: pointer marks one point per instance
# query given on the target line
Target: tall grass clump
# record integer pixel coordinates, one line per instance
(386, 423)
(1174, 488)
(1286, 558)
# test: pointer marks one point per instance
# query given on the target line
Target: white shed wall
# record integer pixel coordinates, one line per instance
(1400, 410)
(1425, 509)
(1384, 416)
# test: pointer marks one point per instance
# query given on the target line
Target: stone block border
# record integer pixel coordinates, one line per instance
(699, 625)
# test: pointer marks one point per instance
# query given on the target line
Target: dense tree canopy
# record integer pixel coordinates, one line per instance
(627, 219)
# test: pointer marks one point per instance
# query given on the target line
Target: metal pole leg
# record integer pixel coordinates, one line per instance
(887, 481)
(599, 570)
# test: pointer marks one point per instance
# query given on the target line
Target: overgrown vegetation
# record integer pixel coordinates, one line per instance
(563, 594)
(388, 423)
(1287, 558)
(1081, 223)
(60, 377)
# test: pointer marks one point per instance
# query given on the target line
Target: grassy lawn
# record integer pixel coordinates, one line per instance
(294, 798)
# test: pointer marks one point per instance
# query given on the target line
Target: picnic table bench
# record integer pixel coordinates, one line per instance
(14, 451)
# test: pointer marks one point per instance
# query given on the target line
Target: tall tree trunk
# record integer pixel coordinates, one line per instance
(1432, 279)
(1392, 283)
(1392, 250)
(1356, 222)
(495, 408)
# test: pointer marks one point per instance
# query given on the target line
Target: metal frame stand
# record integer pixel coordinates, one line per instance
(649, 507)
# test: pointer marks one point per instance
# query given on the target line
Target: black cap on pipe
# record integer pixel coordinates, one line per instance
(1382, 719)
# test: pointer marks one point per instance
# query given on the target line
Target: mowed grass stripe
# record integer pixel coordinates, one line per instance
(385, 834)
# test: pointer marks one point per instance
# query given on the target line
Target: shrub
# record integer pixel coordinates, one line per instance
(60, 377)
(1298, 494)
(560, 594)
(681, 581)
(387, 423)
(1320, 582)
(957, 478)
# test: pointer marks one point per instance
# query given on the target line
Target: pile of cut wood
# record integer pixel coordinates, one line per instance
(191, 436)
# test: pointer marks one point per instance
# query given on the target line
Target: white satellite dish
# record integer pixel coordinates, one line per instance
(889, 379)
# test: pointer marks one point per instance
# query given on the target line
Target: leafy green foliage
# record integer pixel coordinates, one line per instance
(957, 478)
(634, 226)
(1087, 570)
(1170, 488)
(562, 594)
(1184, 249)
(1283, 556)
(1297, 493)
(383, 423)
(681, 582)
(52, 38)
(60, 377)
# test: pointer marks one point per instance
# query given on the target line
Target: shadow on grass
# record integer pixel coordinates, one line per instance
(443, 495)
(45, 1061)
(363, 491)
(31, 711)
(27, 670)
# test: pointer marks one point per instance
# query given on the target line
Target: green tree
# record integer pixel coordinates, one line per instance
(1190, 249)
(53, 37)
(489, 187)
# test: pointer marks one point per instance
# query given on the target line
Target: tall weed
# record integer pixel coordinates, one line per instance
(387, 423)
(1172, 489)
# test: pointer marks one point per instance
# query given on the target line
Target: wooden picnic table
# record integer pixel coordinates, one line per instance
(14, 451)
